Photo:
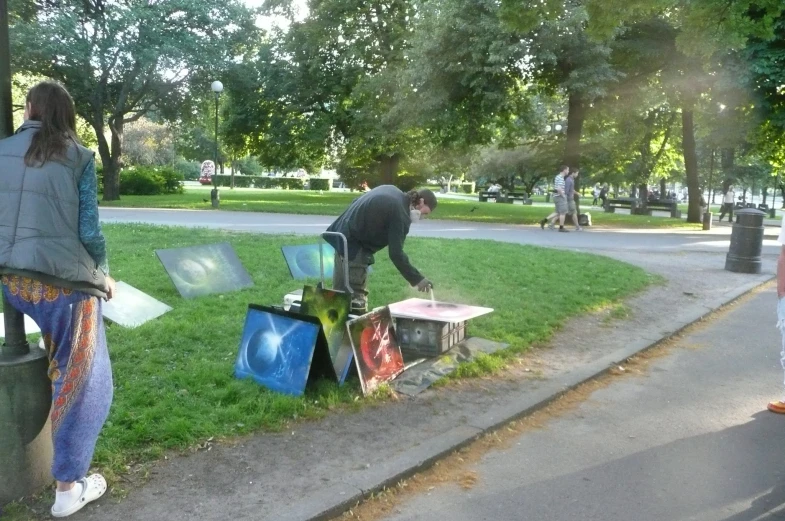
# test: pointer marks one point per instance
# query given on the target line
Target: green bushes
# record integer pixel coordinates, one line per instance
(468, 188)
(191, 170)
(248, 181)
(409, 182)
(320, 184)
(248, 166)
(150, 181)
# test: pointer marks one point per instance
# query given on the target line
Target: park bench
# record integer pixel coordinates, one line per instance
(667, 205)
(501, 197)
(513, 197)
(630, 203)
(484, 196)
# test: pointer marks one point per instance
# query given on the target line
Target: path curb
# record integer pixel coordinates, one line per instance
(339, 498)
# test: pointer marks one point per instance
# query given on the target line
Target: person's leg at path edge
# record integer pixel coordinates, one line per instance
(72, 327)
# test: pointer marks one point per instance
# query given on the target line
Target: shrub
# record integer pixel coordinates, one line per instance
(173, 180)
(247, 166)
(320, 184)
(294, 183)
(242, 181)
(150, 181)
(409, 182)
(190, 169)
(141, 181)
(468, 188)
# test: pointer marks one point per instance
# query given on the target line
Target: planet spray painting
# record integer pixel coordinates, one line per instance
(332, 309)
(303, 260)
(202, 270)
(277, 350)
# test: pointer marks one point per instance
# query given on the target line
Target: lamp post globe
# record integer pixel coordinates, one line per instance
(217, 87)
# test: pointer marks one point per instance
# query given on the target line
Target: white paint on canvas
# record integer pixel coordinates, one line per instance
(131, 307)
(423, 309)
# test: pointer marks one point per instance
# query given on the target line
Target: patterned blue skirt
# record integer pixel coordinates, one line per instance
(73, 331)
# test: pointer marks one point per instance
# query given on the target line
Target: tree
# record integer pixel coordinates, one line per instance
(122, 60)
(148, 144)
(463, 81)
(529, 163)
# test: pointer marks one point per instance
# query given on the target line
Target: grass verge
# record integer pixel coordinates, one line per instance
(333, 203)
(174, 387)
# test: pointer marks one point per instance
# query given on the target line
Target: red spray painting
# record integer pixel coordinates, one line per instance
(376, 349)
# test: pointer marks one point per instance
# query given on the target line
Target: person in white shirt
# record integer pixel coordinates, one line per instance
(727, 203)
(778, 406)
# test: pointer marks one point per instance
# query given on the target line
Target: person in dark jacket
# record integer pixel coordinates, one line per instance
(378, 219)
(54, 269)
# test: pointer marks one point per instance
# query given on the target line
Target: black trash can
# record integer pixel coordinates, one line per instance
(746, 242)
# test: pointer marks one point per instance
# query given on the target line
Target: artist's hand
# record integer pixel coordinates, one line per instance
(110, 284)
(424, 285)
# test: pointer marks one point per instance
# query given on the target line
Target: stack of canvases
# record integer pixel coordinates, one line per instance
(284, 351)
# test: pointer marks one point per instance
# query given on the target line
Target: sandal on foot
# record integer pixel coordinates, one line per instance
(777, 406)
(93, 487)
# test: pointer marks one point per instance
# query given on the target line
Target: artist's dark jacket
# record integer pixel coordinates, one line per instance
(375, 220)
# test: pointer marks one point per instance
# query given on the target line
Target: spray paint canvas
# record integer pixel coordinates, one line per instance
(202, 270)
(130, 307)
(303, 260)
(418, 308)
(376, 351)
(332, 310)
(281, 350)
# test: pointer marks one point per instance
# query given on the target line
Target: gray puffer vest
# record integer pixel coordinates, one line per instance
(39, 216)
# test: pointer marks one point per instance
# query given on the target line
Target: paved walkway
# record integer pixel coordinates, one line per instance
(716, 240)
(689, 440)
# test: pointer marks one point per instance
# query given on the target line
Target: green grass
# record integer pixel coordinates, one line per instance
(333, 203)
(174, 386)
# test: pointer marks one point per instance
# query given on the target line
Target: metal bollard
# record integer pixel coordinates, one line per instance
(707, 220)
(25, 402)
(746, 242)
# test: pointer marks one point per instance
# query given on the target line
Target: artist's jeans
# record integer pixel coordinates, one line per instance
(358, 278)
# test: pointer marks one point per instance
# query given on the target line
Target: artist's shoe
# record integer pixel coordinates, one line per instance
(777, 406)
(542, 223)
(564, 230)
(579, 229)
(550, 226)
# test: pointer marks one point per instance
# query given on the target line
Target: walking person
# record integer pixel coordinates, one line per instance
(596, 194)
(559, 201)
(573, 198)
(378, 219)
(728, 199)
(604, 195)
(54, 269)
(778, 406)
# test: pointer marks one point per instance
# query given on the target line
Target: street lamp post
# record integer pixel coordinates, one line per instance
(25, 389)
(216, 87)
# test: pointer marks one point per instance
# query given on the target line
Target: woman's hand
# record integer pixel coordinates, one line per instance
(110, 283)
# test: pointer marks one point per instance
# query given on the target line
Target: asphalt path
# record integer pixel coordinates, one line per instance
(716, 240)
(689, 440)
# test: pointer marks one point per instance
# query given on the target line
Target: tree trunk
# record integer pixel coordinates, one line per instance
(575, 117)
(388, 168)
(663, 189)
(643, 190)
(691, 165)
(110, 159)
